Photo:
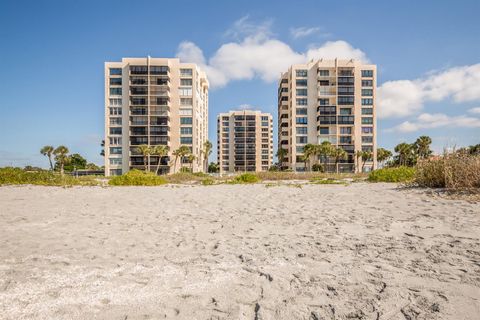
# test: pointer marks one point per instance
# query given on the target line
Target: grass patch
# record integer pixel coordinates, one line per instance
(18, 176)
(397, 174)
(328, 181)
(285, 175)
(208, 182)
(245, 178)
(137, 178)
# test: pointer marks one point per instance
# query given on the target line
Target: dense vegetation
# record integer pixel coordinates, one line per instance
(394, 174)
(14, 176)
(137, 178)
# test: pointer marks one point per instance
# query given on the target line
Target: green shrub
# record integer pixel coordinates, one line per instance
(10, 175)
(317, 167)
(137, 178)
(246, 178)
(208, 182)
(396, 174)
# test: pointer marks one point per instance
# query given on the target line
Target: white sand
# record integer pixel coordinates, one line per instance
(364, 251)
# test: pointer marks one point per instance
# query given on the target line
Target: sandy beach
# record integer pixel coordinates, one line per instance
(363, 251)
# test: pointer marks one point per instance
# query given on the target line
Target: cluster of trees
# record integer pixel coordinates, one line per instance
(407, 154)
(183, 153)
(60, 160)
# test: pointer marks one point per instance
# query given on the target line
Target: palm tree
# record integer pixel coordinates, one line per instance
(191, 157)
(160, 151)
(404, 151)
(358, 156)
(366, 155)
(281, 153)
(383, 155)
(48, 151)
(180, 153)
(207, 150)
(422, 146)
(145, 150)
(61, 157)
(325, 150)
(308, 152)
(339, 154)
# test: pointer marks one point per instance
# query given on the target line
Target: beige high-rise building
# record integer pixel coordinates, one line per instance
(328, 100)
(245, 141)
(154, 101)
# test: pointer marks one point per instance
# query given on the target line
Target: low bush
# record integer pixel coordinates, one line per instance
(246, 178)
(208, 182)
(317, 167)
(137, 178)
(395, 174)
(453, 171)
(10, 175)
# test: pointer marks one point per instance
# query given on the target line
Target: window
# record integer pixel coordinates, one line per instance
(186, 130)
(301, 82)
(186, 112)
(185, 82)
(302, 139)
(367, 83)
(367, 92)
(185, 72)
(345, 130)
(300, 149)
(301, 92)
(115, 172)
(138, 69)
(301, 111)
(367, 120)
(323, 102)
(345, 111)
(115, 81)
(367, 102)
(158, 70)
(346, 140)
(115, 102)
(264, 124)
(186, 101)
(185, 140)
(367, 129)
(116, 121)
(115, 111)
(345, 100)
(186, 120)
(323, 73)
(115, 161)
(367, 73)
(115, 150)
(264, 118)
(302, 130)
(302, 120)
(116, 130)
(327, 110)
(185, 91)
(367, 139)
(367, 148)
(115, 91)
(324, 130)
(301, 102)
(346, 90)
(115, 71)
(367, 110)
(301, 73)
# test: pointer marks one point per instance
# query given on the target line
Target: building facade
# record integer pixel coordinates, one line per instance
(154, 101)
(328, 100)
(245, 141)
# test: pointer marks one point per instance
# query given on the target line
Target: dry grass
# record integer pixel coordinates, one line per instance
(456, 171)
(275, 176)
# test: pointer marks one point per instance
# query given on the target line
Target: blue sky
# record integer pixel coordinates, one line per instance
(52, 55)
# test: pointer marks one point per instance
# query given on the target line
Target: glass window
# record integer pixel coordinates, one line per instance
(345, 100)
(116, 121)
(186, 112)
(301, 73)
(323, 73)
(367, 120)
(345, 111)
(323, 102)
(324, 130)
(345, 130)
(367, 83)
(116, 130)
(367, 73)
(302, 130)
(185, 130)
(115, 150)
(367, 110)
(367, 102)
(367, 92)
(186, 120)
(301, 82)
(185, 82)
(301, 111)
(185, 72)
(302, 139)
(115, 91)
(185, 140)
(115, 111)
(302, 120)
(367, 148)
(301, 92)
(264, 123)
(299, 149)
(186, 101)
(115, 172)
(115, 81)
(301, 102)
(115, 71)
(115, 102)
(115, 161)
(185, 91)
(367, 129)
(138, 69)
(159, 70)
(367, 139)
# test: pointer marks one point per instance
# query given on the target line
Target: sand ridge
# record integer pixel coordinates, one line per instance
(363, 251)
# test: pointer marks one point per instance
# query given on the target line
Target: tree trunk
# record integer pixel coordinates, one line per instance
(158, 165)
(61, 169)
(50, 160)
(145, 163)
(336, 165)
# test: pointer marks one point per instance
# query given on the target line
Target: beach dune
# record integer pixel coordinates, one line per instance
(363, 251)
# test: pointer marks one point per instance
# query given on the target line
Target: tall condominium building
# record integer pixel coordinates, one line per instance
(154, 101)
(328, 100)
(244, 141)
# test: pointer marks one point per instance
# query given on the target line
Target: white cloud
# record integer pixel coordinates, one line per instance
(474, 110)
(436, 120)
(405, 97)
(258, 54)
(303, 32)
